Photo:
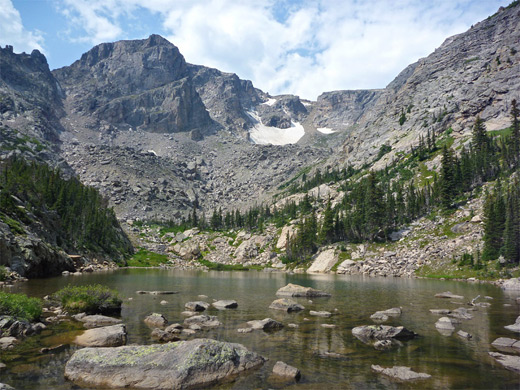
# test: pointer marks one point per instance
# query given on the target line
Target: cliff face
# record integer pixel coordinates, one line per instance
(140, 84)
(476, 73)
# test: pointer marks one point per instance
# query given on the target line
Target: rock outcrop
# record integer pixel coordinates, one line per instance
(184, 364)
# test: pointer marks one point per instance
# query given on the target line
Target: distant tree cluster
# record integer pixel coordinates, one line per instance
(77, 215)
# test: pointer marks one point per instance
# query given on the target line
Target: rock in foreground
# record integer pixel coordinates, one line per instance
(294, 290)
(401, 373)
(180, 365)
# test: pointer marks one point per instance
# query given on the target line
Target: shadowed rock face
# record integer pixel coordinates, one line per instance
(180, 365)
(139, 84)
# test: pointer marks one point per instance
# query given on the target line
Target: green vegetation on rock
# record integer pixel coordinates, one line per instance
(91, 299)
(20, 306)
(145, 258)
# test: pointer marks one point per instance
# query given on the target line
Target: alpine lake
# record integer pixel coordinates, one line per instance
(328, 358)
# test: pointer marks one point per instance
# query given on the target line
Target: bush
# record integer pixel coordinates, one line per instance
(3, 273)
(20, 306)
(91, 299)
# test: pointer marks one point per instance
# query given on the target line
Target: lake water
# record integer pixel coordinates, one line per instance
(453, 363)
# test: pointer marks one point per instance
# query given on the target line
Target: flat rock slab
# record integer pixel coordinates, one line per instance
(506, 344)
(286, 371)
(400, 372)
(267, 324)
(510, 362)
(225, 304)
(157, 292)
(448, 295)
(196, 306)
(286, 304)
(294, 290)
(515, 327)
(203, 320)
(179, 365)
(321, 313)
(107, 336)
(97, 320)
(367, 333)
(382, 315)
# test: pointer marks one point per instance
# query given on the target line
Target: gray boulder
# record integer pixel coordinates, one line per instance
(284, 370)
(294, 290)
(196, 306)
(382, 316)
(512, 284)
(97, 320)
(107, 336)
(400, 372)
(368, 333)
(267, 324)
(156, 320)
(203, 320)
(321, 313)
(164, 336)
(286, 304)
(448, 295)
(225, 304)
(180, 365)
(7, 342)
(445, 323)
(3, 386)
(506, 344)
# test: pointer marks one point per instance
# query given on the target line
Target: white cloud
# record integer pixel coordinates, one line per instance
(314, 46)
(12, 31)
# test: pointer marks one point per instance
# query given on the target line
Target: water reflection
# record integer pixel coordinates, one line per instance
(326, 357)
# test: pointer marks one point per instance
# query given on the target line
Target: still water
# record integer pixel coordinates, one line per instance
(453, 363)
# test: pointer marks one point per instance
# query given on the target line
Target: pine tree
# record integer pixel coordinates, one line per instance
(327, 228)
(448, 177)
(515, 133)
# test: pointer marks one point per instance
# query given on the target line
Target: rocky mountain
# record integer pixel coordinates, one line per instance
(159, 136)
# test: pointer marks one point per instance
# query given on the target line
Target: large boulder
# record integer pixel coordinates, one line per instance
(284, 370)
(448, 295)
(294, 290)
(179, 365)
(511, 284)
(286, 304)
(323, 262)
(400, 372)
(506, 344)
(368, 333)
(107, 336)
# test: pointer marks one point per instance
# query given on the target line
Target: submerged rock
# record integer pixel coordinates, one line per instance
(286, 304)
(448, 295)
(510, 362)
(464, 335)
(286, 371)
(179, 365)
(383, 315)
(203, 321)
(107, 336)
(294, 290)
(400, 372)
(367, 333)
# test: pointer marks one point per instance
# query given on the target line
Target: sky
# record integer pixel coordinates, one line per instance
(301, 47)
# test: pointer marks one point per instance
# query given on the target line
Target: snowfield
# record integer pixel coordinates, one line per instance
(325, 130)
(270, 102)
(265, 135)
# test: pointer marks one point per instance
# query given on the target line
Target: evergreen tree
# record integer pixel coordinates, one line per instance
(448, 177)
(327, 228)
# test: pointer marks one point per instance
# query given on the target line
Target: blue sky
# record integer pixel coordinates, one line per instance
(290, 46)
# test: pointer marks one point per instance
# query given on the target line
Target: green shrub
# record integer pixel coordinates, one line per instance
(3, 273)
(20, 306)
(91, 299)
(145, 258)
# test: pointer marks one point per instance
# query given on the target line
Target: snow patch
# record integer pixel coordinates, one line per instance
(265, 135)
(270, 102)
(325, 130)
